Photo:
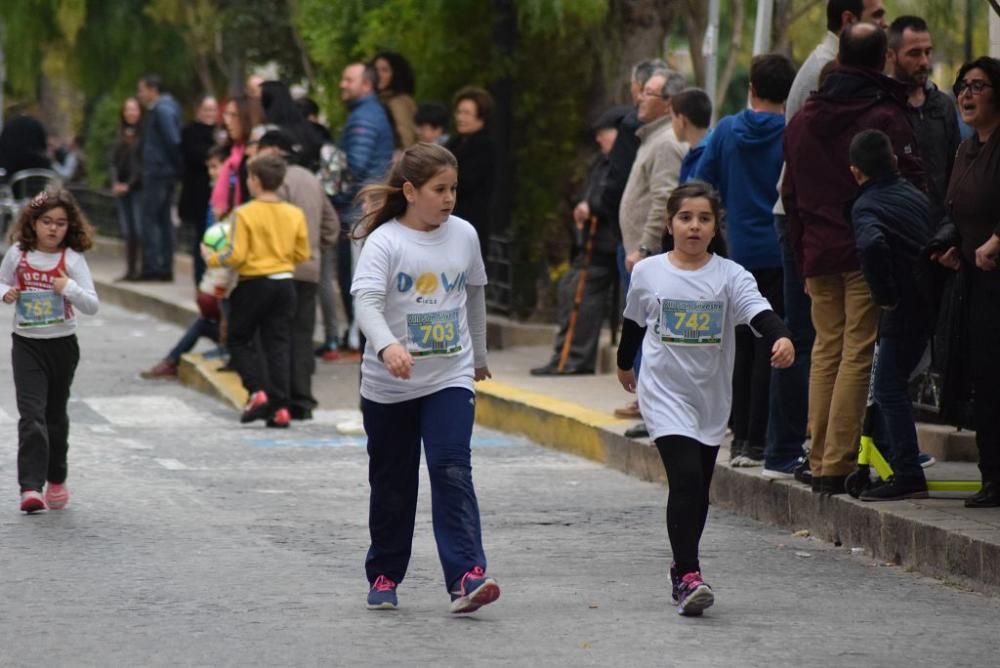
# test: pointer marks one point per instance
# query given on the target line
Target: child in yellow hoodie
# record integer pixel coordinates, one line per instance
(269, 238)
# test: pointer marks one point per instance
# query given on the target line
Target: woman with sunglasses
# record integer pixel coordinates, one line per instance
(969, 243)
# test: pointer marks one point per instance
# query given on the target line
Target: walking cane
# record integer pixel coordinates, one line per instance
(581, 281)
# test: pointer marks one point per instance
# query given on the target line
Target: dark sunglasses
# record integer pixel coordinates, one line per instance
(976, 86)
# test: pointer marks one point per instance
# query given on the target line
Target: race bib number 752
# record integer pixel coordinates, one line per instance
(693, 323)
(39, 308)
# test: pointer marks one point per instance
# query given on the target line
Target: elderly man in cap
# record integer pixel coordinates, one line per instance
(596, 267)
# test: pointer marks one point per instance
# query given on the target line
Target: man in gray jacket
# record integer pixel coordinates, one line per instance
(162, 164)
(304, 190)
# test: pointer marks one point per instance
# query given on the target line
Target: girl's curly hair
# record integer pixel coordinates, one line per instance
(79, 234)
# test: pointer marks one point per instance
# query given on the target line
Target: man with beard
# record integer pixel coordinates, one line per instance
(932, 112)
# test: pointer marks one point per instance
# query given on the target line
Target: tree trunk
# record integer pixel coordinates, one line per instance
(639, 27)
(735, 42)
(696, 22)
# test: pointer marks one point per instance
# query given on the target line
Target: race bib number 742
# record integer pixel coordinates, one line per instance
(693, 323)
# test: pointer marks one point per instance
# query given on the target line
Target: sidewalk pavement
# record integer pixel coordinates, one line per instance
(937, 536)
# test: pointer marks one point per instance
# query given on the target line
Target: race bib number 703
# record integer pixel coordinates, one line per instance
(435, 333)
(693, 323)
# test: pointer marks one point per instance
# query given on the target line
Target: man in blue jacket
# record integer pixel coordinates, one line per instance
(743, 159)
(162, 164)
(367, 142)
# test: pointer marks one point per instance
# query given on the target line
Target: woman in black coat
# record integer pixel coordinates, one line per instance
(476, 154)
(197, 138)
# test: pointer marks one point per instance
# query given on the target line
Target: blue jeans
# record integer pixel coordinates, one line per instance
(788, 400)
(157, 228)
(443, 421)
(894, 430)
(199, 328)
(627, 280)
(129, 208)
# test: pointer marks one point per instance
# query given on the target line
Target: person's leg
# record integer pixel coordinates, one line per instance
(788, 395)
(984, 332)
(708, 456)
(328, 307)
(198, 227)
(769, 282)
(897, 357)
(344, 270)
(593, 312)
(65, 355)
(246, 310)
(153, 193)
(31, 383)
(827, 294)
(850, 391)
(393, 432)
(199, 328)
(742, 379)
(302, 361)
(276, 339)
(165, 228)
(446, 420)
(687, 502)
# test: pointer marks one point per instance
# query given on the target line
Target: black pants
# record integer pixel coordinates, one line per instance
(984, 332)
(43, 374)
(689, 465)
(752, 369)
(303, 361)
(602, 278)
(266, 306)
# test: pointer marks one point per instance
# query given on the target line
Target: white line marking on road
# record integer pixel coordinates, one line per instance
(171, 464)
(149, 411)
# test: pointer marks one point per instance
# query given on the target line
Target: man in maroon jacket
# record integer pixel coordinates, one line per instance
(816, 192)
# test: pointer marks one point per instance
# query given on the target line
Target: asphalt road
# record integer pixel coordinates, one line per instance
(193, 541)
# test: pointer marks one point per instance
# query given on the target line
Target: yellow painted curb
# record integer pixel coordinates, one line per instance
(203, 375)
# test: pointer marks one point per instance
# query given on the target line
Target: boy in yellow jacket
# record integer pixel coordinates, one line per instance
(269, 237)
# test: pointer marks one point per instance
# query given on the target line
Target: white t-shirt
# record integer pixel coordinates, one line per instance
(685, 385)
(423, 276)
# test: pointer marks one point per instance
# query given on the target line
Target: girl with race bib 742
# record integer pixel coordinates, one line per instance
(419, 291)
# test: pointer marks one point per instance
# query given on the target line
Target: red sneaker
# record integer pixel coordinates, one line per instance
(281, 419)
(256, 407)
(56, 496)
(32, 501)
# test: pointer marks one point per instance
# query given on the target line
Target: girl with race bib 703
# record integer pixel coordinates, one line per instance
(45, 276)
(419, 291)
(683, 308)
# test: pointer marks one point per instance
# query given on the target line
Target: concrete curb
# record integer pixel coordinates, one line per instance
(202, 374)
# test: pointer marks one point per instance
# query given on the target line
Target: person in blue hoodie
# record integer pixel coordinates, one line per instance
(742, 160)
(692, 115)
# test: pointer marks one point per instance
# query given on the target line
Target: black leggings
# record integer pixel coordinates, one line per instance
(689, 467)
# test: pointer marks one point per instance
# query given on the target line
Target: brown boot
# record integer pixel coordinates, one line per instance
(132, 251)
(162, 369)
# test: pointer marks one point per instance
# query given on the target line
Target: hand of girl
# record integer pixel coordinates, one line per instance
(397, 360)
(782, 353)
(482, 373)
(59, 284)
(11, 296)
(627, 378)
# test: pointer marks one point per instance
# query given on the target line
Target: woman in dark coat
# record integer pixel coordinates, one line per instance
(396, 85)
(969, 243)
(126, 183)
(197, 138)
(23, 145)
(476, 154)
(281, 112)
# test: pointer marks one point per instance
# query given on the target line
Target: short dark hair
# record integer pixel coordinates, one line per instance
(217, 152)
(154, 81)
(307, 106)
(871, 152)
(990, 67)
(894, 34)
(434, 114)
(771, 76)
(276, 139)
(480, 97)
(865, 50)
(836, 8)
(269, 169)
(695, 105)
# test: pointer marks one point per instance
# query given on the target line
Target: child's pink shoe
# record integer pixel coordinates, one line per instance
(56, 496)
(32, 501)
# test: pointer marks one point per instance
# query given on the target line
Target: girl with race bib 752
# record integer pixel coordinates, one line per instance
(45, 276)
(419, 291)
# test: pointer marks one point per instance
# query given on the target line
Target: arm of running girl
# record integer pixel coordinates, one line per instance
(369, 311)
(7, 277)
(476, 309)
(77, 286)
(770, 326)
(628, 346)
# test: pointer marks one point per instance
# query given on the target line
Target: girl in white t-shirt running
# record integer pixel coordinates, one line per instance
(46, 277)
(419, 297)
(683, 307)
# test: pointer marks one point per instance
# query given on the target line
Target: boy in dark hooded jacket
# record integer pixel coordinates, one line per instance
(891, 229)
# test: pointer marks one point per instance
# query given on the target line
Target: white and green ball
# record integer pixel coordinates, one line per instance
(216, 236)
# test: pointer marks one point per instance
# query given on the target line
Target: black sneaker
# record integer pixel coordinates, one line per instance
(987, 497)
(675, 583)
(753, 455)
(803, 473)
(831, 484)
(895, 489)
(737, 449)
(637, 431)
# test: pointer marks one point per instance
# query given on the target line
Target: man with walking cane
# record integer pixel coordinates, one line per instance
(586, 289)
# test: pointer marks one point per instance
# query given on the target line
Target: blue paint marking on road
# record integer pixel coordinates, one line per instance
(341, 441)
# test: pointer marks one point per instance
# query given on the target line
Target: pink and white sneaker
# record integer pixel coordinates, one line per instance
(56, 496)
(693, 595)
(32, 501)
(474, 591)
